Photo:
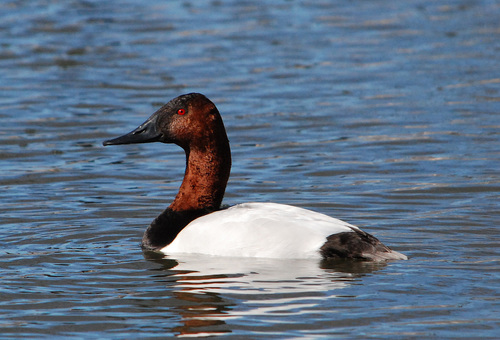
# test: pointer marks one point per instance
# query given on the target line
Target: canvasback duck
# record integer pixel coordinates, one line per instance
(195, 221)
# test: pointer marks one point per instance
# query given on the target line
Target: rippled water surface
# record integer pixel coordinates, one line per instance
(381, 113)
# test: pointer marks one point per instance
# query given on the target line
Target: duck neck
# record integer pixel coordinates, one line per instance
(205, 178)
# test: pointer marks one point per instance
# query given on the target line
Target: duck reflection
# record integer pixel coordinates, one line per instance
(211, 291)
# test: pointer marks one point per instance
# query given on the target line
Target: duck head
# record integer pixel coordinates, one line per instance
(190, 121)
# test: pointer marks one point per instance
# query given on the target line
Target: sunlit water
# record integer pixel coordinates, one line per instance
(381, 113)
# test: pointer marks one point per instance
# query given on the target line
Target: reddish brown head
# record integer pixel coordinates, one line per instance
(190, 120)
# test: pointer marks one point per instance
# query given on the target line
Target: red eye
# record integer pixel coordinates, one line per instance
(181, 112)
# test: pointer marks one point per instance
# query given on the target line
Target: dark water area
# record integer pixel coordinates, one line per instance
(381, 113)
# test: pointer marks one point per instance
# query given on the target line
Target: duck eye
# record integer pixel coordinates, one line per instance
(181, 112)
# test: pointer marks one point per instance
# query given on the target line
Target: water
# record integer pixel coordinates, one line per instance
(381, 113)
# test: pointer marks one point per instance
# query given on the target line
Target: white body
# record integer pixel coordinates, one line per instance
(268, 230)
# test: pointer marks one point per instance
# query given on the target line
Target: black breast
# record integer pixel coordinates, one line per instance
(164, 229)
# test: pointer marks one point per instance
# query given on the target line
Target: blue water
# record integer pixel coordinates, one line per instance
(382, 113)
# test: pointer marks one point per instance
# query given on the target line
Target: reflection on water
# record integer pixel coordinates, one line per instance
(210, 289)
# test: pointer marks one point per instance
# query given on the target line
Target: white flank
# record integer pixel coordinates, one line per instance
(268, 230)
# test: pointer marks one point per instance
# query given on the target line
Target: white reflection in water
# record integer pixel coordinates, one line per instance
(213, 291)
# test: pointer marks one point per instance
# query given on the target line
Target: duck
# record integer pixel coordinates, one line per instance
(196, 222)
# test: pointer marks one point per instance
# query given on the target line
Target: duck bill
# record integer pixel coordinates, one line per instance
(145, 133)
